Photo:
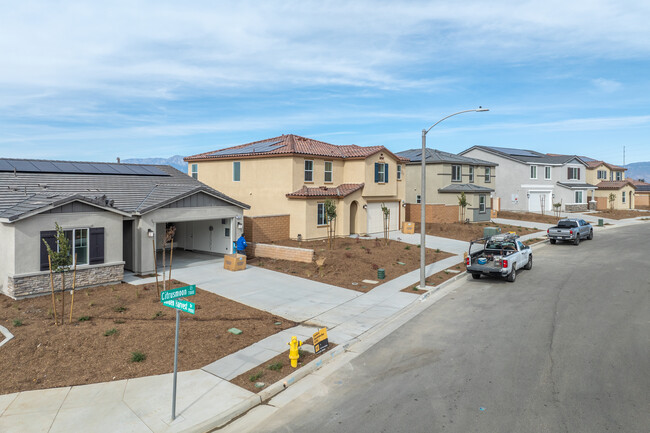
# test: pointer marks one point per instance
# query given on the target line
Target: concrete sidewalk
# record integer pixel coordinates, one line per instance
(205, 397)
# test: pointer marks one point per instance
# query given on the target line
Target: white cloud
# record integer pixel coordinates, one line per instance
(605, 85)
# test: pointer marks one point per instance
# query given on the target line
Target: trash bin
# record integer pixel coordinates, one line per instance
(491, 231)
(381, 273)
(600, 222)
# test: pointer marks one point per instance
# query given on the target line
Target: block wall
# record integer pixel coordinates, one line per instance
(266, 228)
(435, 213)
(282, 253)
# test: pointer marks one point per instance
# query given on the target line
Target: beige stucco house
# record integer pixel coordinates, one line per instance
(293, 175)
(448, 175)
(610, 179)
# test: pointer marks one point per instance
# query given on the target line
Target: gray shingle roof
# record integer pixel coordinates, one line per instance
(527, 156)
(434, 156)
(25, 192)
(465, 187)
(577, 185)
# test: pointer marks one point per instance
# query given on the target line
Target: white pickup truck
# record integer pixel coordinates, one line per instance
(499, 255)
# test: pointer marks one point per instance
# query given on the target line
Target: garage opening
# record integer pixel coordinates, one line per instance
(213, 237)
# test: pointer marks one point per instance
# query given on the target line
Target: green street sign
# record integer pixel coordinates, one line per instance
(180, 292)
(180, 304)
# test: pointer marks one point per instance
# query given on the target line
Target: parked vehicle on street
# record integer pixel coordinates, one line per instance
(570, 229)
(499, 255)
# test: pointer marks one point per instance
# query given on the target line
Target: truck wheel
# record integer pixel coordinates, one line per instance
(476, 276)
(577, 240)
(512, 275)
(591, 235)
(529, 265)
(552, 241)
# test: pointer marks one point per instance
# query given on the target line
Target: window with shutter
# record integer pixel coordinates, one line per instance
(50, 238)
(96, 245)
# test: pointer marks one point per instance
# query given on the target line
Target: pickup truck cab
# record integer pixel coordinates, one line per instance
(570, 229)
(499, 255)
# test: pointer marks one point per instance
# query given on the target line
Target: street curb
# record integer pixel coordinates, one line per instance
(429, 292)
(225, 417)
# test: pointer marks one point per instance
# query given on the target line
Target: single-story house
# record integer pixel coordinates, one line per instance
(115, 215)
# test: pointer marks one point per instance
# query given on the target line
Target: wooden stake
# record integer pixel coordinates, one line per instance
(63, 298)
(155, 266)
(49, 261)
(171, 256)
(74, 281)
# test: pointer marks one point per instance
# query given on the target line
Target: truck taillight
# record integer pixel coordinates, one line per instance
(467, 261)
(548, 231)
(570, 232)
(504, 263)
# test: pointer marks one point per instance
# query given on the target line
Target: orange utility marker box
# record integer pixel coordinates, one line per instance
(234, 262)
(408, 228)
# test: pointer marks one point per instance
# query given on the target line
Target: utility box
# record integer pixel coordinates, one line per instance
(491, 231)
(408, 228)
(493, 213)
(234, 262)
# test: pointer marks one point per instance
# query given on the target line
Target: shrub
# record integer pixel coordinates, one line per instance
(408, 247)
(138, 356)
(110, 332)
(18, 322)
(84, 318)
(276, 367)
(119, 309)
(255, 377)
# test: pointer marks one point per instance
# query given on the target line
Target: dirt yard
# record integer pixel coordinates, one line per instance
(467, 232)
(620, 214)
(351, 261)
(530, 216)
(109, 324)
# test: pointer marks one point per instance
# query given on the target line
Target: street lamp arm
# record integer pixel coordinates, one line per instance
(425, 132)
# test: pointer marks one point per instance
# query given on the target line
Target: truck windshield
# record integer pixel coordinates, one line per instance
(567, 224)
(501, 246)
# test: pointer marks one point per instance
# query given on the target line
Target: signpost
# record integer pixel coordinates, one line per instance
(170, 298)
(320, 340)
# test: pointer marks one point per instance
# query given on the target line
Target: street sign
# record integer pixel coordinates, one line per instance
(180, 304)
(320, 340)
(180, 292)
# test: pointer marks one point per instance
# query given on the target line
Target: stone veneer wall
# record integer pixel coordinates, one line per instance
(575, 207)
(281, 252)
(39, 283)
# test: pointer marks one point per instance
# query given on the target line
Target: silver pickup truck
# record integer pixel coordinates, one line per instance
(570, 229)
(499, 255)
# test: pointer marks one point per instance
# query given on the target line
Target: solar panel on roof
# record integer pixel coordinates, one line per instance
(516, 152)
(66, 167)
(264, 146)
(46, 167)
(154, 170)
(5, 166)
(85, 168)
(20, 165)
(104, 169)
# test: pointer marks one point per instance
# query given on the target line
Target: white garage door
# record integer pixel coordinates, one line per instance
(537, 198)
(376, 219)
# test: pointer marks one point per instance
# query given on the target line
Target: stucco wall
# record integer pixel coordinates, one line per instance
(7, 253)
(618, 203)
(439, 176)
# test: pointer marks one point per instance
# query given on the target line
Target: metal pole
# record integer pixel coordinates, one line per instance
(423, 211)
(175, 367)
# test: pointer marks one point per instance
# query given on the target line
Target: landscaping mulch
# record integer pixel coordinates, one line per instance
(109, 323)
(530, 216)
(350, 261)
(437, 278)
(620, 214)
(281, 369)
(468, 232)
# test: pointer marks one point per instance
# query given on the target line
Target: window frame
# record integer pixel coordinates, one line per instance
(73, 244)
(601, 174)
(573, 173)
(418, 199)
(399, 172)
(471, 174)
(622, 196)
(195, 171)
(619, 176)
(482, 202)
(330, 172)
(236, 171)
(459, 169)
(320, 212)
(310, 171)
(533, 172)
(381, 172)
(547, 172)
(488, 174)
(576, 197)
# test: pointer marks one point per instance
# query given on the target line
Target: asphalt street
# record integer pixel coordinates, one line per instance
(566, 348)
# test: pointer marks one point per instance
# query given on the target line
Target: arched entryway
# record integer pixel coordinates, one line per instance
(353, 217)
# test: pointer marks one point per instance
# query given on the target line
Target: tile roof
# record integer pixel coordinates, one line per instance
(615, 184)
(324, 191)
(25, 192)
(465, 187)
(290, 144)
(593, 164)
(527, 156)
(434, 156)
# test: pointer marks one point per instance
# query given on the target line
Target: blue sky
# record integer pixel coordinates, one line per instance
(91, 81)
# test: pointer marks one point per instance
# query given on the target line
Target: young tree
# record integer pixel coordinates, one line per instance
(557, 207)
(462, 202)
(60, 263)
(612, 199)
(330, 216)
(386, 213)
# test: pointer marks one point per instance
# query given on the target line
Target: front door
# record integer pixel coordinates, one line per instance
(353, 217)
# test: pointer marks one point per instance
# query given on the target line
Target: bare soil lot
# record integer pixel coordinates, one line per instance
(109, 323)
(530, 216)
(620, 214)
(467, 232)
(350, 261)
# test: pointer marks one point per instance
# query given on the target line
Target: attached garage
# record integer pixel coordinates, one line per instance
(538, 200)
(376, 217)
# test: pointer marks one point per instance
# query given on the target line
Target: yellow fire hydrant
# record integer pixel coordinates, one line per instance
(294, 344)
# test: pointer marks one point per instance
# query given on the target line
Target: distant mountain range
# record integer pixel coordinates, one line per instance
(638, 170)
(175, 161)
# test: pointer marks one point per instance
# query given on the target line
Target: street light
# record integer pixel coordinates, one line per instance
(423, 194)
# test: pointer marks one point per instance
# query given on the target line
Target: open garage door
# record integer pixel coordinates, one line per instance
(538, 199)
(376, 219)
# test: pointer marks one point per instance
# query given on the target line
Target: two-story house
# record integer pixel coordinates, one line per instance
(533, 181)
(287, 179)
(613, 189)
(447, 176)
